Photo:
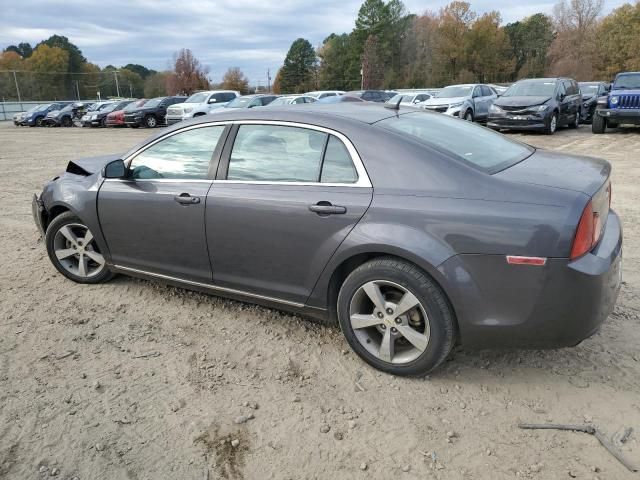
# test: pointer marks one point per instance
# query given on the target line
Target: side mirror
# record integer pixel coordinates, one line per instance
(115, 169)
(562, 96)
(609, 87)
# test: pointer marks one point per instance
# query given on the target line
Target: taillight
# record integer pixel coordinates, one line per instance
(587, 233)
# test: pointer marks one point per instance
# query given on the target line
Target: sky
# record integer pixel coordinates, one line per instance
(250, 34)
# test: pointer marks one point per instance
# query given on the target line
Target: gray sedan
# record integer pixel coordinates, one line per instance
(382, 220)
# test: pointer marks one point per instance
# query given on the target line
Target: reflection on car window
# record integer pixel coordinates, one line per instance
(276, 153)
(185, 155)
(337, 166)
(483, 148)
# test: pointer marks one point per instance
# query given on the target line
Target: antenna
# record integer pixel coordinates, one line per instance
(394, 106)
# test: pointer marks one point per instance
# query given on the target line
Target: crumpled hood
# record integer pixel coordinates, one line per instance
(89, 166)
(521, 101)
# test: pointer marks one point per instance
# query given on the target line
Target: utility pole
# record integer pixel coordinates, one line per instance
(15, 79)
(268, 81)
(130, 90)
(115, 74)
(78, 89)
(362, 77)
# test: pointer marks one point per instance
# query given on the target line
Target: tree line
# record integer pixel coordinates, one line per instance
(391, 48)
(56, 69)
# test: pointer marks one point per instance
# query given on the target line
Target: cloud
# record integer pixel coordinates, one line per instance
(250, 34)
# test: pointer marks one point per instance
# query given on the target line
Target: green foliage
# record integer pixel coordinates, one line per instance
(618, 40)
(141, 70)
(530, 40)
(299, 70)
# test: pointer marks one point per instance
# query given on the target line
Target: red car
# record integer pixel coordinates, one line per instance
(116, 119)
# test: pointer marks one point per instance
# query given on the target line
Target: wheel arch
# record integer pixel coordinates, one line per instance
(349, 263)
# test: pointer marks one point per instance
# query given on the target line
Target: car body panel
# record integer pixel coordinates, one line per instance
(478, 102)
(622, 104)
(259, 241)
(214, 99)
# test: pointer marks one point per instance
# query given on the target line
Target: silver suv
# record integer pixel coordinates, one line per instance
(198, 104)
(468, 101)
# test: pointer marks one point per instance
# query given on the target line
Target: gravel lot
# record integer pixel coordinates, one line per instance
(137, 380)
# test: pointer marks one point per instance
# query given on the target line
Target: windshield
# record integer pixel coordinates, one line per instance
(240, 102)
(588, 88)
(154, 102)
(104, 106)
(281, 101)
(111, 107)
(454, 91)
(134, 105)
(35, 109)
(627, 82)
(67, 108)
(483, 148)
(405, 98)
(199, 97)
(531, 89)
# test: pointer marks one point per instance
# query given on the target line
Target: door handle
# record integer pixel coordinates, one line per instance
(327, 208)
(186, 199)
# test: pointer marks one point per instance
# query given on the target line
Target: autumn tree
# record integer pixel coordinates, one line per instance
(48, 66)
(489, 49)
(455, 20)
(188, 75)
(617, 42)
(234, 79)
(299, 69)
(277, 81)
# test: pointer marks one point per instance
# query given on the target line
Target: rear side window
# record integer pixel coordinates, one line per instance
(482, 148)
(486, 91)
(337, 166)
(276, 153)
(184, 155)
(273, 153)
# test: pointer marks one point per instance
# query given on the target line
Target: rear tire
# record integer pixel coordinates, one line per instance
(66, 122)
(599, 124)
(576, 123)
(39, 121)
(74, 252)
(412, 341)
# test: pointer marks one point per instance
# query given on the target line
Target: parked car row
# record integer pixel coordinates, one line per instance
(538, 104)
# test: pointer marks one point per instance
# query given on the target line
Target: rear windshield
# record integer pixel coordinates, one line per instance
(482, 148)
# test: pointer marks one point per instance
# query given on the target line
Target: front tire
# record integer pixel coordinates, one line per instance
(150, 121)
(552, 125)
(598, 125)
(73, 250)
(66, 122)
(395, 317)
(468, 116)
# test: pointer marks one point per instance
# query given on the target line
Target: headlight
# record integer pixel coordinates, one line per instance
(188, 110)
(494, 109)
(614, 100)
(93, 117)
(539, 108)
(455, 105)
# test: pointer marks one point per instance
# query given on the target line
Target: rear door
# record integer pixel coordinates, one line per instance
(153, 220)
(284, 199)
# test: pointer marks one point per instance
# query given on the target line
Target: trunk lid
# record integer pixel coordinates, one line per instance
(563, 171)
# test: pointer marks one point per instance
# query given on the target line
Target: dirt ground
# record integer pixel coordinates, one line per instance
(137, 380)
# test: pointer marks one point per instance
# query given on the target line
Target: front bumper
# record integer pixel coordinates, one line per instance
(135, 121)
(451, 111)
(620, 115)
(173, 119)
(556, 305)
(529, 121)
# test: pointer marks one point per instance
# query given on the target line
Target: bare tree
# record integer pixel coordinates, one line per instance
(572, 50)
(188, 74)
(234, 79)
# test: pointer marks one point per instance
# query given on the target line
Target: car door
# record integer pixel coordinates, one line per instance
(153, 219)
(563, 103)
(284, 199)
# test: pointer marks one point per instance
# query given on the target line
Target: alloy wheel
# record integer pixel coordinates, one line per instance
(389, 321)
(77, 252)
(151, 122)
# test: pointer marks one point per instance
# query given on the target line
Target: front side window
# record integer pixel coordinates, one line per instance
(184, 155)
(482, 148)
